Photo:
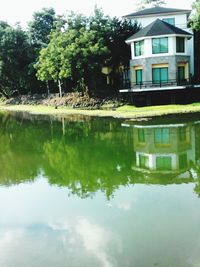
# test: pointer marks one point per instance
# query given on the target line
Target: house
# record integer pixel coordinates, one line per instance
(162, 51)
(164, 148)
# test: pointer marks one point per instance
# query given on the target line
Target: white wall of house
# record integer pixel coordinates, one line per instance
(180, 19)
(171, 47)
(174, 159)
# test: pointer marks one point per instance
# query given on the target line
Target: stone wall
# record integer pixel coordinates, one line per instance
(147, 63)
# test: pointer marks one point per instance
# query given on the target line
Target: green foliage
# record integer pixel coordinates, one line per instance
(73, 52)
(68, 51)
(79, 49)
(150, 3)
(41, 25)
(14, 59)
(194, 22)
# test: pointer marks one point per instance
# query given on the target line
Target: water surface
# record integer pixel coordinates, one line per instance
(82, 191)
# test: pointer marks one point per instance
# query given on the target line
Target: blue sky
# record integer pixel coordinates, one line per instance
(22, 10)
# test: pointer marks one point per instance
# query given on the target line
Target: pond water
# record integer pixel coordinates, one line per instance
(84, 192)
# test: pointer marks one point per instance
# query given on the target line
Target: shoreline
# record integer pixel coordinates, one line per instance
(124, 112)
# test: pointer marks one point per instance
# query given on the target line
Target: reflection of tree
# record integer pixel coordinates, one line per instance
(84, 155)
(20, 150)
(90, 163)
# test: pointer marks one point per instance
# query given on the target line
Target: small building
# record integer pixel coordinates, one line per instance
(162, 51)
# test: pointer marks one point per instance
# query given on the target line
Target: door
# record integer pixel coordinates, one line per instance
(160, 75)
(138, 76)
(181, 75)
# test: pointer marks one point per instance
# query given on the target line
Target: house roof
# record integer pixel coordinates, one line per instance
(158, 27)
(156, 10)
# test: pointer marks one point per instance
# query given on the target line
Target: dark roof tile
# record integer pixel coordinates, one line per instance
(156, 10)
(158, 27)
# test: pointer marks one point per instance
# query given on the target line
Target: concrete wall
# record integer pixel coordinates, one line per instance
(171, 47)
(146, 64)
(180, 20)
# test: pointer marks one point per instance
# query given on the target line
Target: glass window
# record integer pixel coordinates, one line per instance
(180, 44)
(183, 161)
(163, 163)
(182, 134)
(170, 21)
(141, 135)
(143, 161)
(160, 75)
(138, 76)
(159, 45)
(162, 136)
(139, 48)
(181, 73)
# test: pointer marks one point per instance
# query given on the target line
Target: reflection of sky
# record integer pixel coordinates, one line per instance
(141, 226)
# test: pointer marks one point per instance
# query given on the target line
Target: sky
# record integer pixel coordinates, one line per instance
(14, 11)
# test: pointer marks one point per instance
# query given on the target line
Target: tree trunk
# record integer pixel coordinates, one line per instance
(48, 91)
(4, 94)
(60, 88)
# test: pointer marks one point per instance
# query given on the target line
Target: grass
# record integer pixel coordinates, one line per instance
(126, 111)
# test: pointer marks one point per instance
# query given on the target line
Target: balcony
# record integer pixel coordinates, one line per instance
(146, 86)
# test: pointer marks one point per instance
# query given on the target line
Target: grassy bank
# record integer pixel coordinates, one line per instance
(121, 112)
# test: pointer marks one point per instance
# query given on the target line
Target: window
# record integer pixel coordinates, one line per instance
(183, 161)
(141, 135)
(160, 75)
(181, 73)
(159, 45)
(182, 134)
(138, 76)
(139, 48)
(143, 161)
(163, 163)
(180, 44)
(170, 21)
(161, 136)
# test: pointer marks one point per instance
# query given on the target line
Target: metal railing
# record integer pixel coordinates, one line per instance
(154, 84)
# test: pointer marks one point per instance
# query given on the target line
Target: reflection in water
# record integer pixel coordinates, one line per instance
(99, 192)
(86, 155)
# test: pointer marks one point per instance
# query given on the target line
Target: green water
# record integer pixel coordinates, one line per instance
(85, 192)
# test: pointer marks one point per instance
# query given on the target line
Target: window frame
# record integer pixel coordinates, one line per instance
(140, 48)
(138, 79)
(168, 19)
(141, 135)
(160, 70)
(180, 47)
(162, 164)
(163, 132)
(158, 48)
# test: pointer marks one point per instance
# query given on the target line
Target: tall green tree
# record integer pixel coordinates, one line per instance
(41, 25)
(194, 24)
(71, 54)
(14, 60)
(80, 48)
(114, 33)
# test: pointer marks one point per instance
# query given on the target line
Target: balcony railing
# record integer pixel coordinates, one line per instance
(156, 84)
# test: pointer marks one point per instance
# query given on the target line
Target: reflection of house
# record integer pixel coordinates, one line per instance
(164, 148)
(162, 51)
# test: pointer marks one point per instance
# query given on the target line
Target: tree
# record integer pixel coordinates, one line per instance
(78, 50)
(14, 60)
(71, 53)
(150, 3)
(114, 33)
(194, 24)
(41, 25)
